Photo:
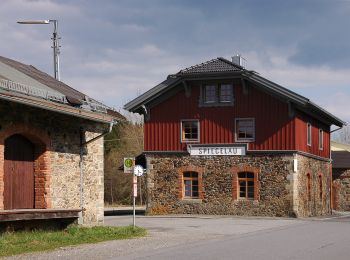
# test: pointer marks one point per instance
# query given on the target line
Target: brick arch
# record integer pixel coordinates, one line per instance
(235, 170)
(42, 177)
(191, 168)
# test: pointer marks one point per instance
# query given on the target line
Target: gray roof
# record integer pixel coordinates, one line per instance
(221, 67)
(341, 159)
(26, 79)
(214, 65)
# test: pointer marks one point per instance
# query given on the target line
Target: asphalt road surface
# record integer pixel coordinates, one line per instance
(213, 237)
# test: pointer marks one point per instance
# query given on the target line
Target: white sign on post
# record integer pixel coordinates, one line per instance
(138, 170)
(129, 163)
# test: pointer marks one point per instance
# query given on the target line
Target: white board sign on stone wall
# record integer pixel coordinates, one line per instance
(217, 150)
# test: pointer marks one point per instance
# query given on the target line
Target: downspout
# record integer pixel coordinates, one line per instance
(81, 165)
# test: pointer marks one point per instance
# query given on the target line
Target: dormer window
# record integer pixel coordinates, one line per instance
(210, 94)
(216, 95)
(226, 93)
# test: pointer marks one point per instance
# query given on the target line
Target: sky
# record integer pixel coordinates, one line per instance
(115, 50)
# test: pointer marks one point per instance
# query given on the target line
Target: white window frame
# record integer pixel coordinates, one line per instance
(308, 134)
(236, 130)
(320, 139)
(219, 93)
(218, 101)
(198, 127)
(216, 94)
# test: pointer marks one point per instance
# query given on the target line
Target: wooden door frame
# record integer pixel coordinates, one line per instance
(42, 173)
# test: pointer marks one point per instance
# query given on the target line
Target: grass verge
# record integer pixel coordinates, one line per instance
(32, 241)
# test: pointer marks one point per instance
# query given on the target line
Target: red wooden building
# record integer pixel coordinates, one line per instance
(221, 139)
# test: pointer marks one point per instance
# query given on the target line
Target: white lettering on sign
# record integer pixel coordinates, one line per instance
(203, 150)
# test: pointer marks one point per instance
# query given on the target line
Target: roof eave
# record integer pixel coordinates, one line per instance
(56, 107)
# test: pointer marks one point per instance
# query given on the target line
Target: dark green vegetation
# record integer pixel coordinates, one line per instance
(31, 241)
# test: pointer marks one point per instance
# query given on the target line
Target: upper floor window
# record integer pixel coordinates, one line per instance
(226, 93)
(308, 133)
(210, 94)
(216, 95)
(245, 129)
(189, 130)
(320, 139)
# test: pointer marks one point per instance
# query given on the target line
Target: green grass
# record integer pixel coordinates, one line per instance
(32, 241)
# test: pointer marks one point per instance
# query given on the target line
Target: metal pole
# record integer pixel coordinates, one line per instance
(133, 218)
(56, 50)
(133, 199)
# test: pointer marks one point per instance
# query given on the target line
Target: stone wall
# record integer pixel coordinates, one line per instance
(273, 194)
(279, 190)
(316, 201)
(341, 189)
(61, 170)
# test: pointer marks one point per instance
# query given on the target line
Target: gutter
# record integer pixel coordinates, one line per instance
(81, 165)
(51, 106)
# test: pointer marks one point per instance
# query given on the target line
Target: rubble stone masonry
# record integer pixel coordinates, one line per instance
(56, 138)
(341, 189)
(278, 190)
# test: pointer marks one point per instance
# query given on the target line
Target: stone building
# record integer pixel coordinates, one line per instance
(51, 148)
(341, 176)
(221, 139)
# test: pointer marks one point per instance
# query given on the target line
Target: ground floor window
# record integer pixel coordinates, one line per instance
(320, 186)
(246, 185)
(190, 185)
(308, 176)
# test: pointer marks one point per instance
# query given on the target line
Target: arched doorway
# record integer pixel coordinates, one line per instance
(18, 173)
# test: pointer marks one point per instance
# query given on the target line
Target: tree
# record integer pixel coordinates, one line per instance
(342, 135)
(125, 140)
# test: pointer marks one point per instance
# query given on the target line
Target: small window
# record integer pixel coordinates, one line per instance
(308, 176)
(246, 185)
(226, 93)
(309, 128)
(320, 139)
(245, 129)
(320, 186)
(210, 94)
(190, 185)
(190, 130)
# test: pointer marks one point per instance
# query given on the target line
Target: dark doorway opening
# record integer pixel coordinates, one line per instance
(18, 173)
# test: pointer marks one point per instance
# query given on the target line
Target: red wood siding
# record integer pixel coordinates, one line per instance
(301, 137)
(274, 129)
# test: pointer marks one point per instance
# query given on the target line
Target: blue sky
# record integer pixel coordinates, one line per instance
(115, 50)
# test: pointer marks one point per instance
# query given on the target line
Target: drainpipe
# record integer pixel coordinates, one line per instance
(81, 165)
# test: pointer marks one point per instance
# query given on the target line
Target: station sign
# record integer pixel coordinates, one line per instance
(217, 150)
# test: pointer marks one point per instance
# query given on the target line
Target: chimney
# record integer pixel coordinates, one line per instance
(239, 60)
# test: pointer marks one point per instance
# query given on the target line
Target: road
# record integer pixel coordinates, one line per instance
(225, 237)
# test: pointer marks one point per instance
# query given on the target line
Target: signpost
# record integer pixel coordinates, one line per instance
(137, 172)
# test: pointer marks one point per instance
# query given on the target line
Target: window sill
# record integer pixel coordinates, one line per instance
(245, 140)
(242, 202)
(189, 141)
(191, 200)
(216, 104)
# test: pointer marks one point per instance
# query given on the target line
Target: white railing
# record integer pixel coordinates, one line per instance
(32, 91)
